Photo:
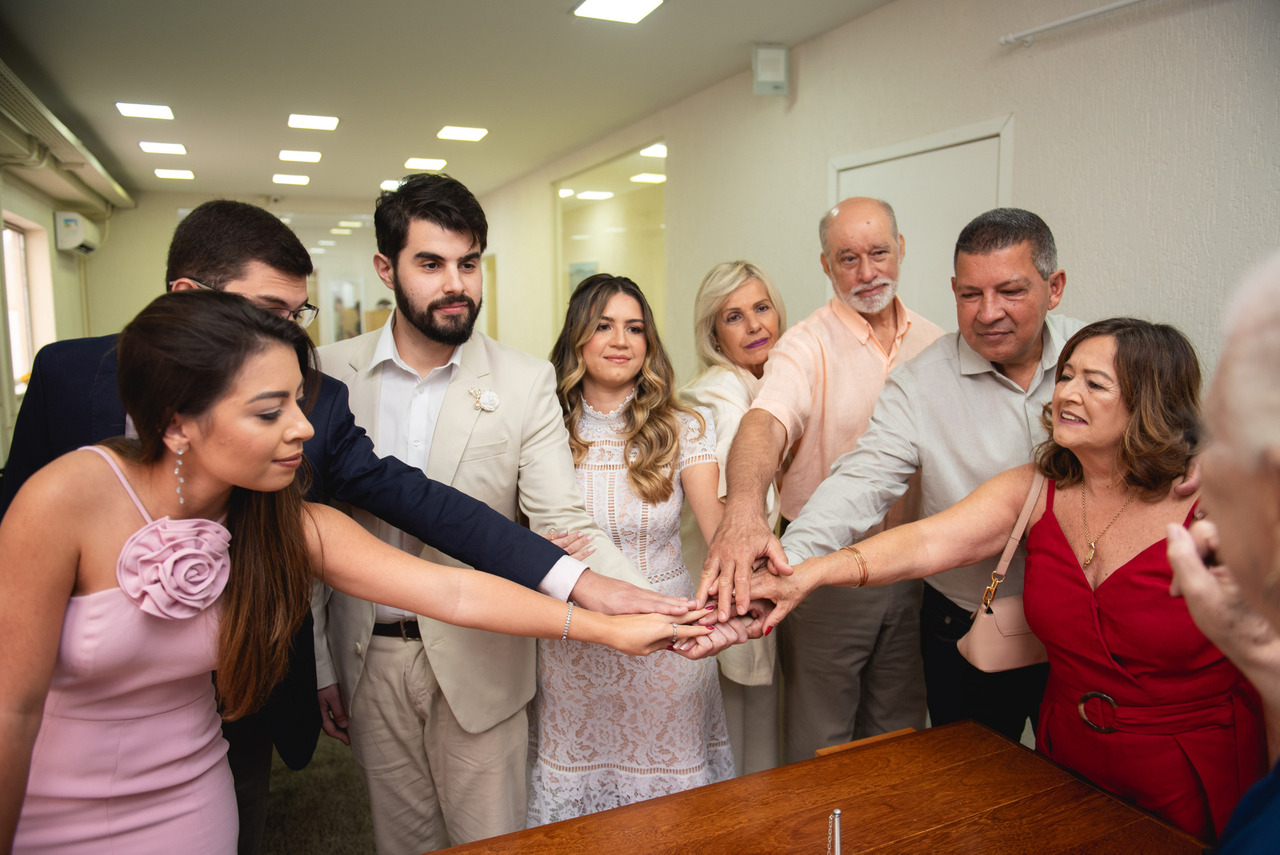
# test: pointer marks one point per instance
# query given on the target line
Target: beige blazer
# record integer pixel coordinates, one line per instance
(514, 458)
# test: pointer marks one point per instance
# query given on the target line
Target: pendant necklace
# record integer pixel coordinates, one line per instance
(1084, 518)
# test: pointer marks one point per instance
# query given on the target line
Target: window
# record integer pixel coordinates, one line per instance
(18, 296)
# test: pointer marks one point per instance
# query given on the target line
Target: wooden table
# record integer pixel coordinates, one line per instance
(955, 788)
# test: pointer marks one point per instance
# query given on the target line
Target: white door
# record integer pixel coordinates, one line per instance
(936, 185)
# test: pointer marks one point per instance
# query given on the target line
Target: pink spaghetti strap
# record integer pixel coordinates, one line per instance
(110, 458)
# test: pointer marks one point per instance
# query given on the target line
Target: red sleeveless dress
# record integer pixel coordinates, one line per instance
(1176, 728)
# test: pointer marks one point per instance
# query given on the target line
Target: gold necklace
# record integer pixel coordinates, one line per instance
(1084, 518)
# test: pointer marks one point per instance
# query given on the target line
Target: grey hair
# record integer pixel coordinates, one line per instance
(720, 282)
(824, 225)
(1247, 380)
(1001, 228)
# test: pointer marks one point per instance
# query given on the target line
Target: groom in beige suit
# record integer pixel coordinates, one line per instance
(436, 713)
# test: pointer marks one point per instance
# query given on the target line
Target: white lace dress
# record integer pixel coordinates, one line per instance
(609, 729)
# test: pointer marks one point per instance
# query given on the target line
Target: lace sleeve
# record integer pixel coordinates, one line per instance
(697, 445)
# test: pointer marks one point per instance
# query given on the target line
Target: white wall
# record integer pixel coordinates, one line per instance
(63, 267)
(1146, 138)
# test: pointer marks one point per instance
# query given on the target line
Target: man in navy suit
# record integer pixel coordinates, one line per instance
(72, 401)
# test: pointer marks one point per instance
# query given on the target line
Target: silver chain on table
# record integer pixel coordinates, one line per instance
(833, 833)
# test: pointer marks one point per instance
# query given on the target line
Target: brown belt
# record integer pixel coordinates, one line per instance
(403, 629)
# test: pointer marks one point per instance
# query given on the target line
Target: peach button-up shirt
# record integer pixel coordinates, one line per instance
(821, 382)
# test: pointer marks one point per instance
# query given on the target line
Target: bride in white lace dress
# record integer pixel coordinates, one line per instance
(608, 730)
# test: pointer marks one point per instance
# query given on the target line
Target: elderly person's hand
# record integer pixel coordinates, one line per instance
(740, 546)
(1215, 600)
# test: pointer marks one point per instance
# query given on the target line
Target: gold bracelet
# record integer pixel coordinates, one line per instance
(568, 616)
(862, 564)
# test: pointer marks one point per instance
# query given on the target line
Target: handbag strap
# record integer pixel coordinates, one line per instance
(997, 575)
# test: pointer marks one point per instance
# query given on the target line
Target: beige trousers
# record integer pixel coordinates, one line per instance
(431, 784)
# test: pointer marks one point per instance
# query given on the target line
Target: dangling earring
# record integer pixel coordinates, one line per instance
(177, 470)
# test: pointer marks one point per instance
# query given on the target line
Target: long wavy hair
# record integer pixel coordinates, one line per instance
(1159, 377)
(180, 355)
(651, 441)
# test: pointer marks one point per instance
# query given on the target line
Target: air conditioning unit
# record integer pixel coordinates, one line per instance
(75, 232)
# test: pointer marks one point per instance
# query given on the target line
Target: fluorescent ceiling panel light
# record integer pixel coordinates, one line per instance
(424, 163)
(350, 224)
(300, 156)
(281, 178)
(580, 237)
(565, 192)
(614, 230)
(144, 111)
(595, 195)
(623, 11)
(327, 242)
(286, 220)
(313, 123)
(451, 132)
(391, 185)
(339, 231)
(163, 147)
(315, 250)
(648, 178)
(183, 174)
(655, 150)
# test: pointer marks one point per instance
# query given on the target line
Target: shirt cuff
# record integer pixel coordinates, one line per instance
(561, 578)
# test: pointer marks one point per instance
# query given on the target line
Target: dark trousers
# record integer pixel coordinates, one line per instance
(249, 755)
(1003, 701)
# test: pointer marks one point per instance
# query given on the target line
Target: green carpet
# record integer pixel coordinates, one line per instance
(322, 810)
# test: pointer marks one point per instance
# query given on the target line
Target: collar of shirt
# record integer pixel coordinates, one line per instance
(1051, 342)
(859, 326)
(386, 351)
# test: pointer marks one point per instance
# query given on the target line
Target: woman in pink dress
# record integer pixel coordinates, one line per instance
(132, 571)
(1138, 700)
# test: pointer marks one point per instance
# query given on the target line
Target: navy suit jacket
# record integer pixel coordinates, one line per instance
(72, 401)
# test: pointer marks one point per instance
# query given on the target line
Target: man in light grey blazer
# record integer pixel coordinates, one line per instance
(435, 714)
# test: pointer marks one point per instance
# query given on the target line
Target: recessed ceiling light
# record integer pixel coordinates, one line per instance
(184, 174)
(614, 230)
(648, 178)
(328, 243)
(451, 132)
(286, 220)
(300, 156)
(144, 111)
(655, 150)
(391, 185)
(623, 11)
(351, 224)
(313, 123)
(565, 192)
(580, 237)
(162, 147)
(339, 231)
(315, 250)
(424, 163)
(595, 195)
(281, 178)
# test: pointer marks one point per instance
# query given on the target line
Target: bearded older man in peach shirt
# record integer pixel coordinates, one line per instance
(850, 658)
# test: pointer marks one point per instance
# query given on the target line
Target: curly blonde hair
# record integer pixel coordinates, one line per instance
(651, 441)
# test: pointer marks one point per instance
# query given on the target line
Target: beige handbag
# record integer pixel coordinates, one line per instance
(1000, 639)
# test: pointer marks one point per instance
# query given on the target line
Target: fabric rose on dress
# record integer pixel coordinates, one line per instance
(175, 568)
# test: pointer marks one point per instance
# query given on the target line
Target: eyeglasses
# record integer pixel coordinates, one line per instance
(301, 316)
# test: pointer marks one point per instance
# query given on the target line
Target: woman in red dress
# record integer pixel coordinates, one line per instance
(1138, 701)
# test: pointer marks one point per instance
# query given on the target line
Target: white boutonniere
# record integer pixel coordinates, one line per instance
(486, 399)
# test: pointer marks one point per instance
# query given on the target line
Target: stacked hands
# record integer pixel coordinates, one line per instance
(726, 629)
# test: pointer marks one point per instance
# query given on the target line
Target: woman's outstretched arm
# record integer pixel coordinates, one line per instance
(351, 560)
(974, 528)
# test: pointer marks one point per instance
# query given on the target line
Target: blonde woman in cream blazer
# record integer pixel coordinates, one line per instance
(738, 316)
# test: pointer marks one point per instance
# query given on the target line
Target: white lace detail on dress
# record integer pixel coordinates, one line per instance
(609, 729)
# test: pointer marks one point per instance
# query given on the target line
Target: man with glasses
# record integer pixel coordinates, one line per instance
(72, 401)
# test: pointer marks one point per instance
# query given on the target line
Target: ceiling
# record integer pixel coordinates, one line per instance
(543, 81)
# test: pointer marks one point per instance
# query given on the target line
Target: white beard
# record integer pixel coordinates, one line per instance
(872, 305)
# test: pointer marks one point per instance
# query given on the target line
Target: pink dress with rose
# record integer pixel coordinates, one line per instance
(130, 756)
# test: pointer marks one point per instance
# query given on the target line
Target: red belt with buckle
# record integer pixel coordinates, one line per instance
(1104, 714)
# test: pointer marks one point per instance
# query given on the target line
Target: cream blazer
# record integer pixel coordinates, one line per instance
(727, 394)
(515, 458)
